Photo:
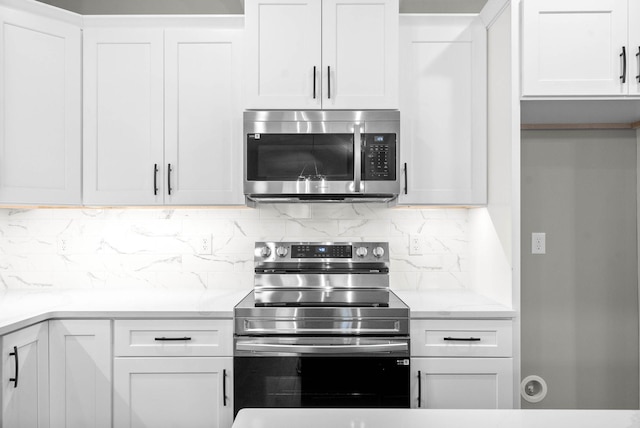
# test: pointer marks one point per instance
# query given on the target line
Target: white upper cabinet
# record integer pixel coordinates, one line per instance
(284, 42)
(633, 55)
(40, 108)
(329, 54)
(123, 116)
(580, 48)
(162, 115)
(203, 117)
(443, 96)
(360, 54)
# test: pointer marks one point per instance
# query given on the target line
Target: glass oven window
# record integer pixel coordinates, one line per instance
(293, 157)
(321, 382)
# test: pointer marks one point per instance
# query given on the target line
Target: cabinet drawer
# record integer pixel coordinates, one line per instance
(461, 338)
(134, 338)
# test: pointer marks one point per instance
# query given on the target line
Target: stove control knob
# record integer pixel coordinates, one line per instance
(265, 252)
(378, 252)
(361, 251)
(282, 251)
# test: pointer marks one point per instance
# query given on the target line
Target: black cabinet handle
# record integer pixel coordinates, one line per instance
(15, 356)
(638, 61)
(171, 339)
(419, 388)
(314, 82)
(169, 178)
(406, 182)
(623, 55)
(329, 82)
(224, 388)
(463, 339)
(155, 178)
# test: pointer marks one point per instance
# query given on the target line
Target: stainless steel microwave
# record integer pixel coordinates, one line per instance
(321, 156)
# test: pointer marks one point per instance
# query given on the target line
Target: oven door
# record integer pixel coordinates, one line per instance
(321, 372)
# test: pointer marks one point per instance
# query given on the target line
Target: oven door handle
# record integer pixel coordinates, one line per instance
(322, 349)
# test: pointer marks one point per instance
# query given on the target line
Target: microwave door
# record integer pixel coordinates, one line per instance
(302, 163)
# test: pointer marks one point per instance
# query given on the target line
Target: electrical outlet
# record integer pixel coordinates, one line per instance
(204, 244)
(538, 243)
(64, 245)
(415, 245)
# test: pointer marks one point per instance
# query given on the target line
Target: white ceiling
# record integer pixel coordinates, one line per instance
(109, 7)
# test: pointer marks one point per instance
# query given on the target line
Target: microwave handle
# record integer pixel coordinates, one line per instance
(357, 157)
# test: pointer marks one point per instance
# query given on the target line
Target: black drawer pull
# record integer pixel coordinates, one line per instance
(406, 181)
(623, 55)
(169, 339)
(638, 57)
(462, 339)
(419, 388)
(314, 82)
(155, 178)
(224, 388)
(15, 356)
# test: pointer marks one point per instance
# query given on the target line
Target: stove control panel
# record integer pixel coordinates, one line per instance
(277, 252)
(308, 251)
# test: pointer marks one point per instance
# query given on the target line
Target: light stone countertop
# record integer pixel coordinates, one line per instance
(452, 304)
(426, 418)
(21, 308)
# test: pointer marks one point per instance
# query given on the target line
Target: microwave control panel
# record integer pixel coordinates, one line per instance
(379, 157)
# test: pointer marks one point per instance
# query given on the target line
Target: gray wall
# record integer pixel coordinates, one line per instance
(580, 299)
(107, 7)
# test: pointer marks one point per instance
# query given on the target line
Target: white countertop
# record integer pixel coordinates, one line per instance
(452, 304)
(20, 308)
(423, 418)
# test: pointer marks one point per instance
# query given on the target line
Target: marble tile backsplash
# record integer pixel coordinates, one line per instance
(155, 247)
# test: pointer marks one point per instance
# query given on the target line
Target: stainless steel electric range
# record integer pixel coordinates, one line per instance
(321, 329)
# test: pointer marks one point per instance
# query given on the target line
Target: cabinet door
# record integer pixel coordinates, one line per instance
(123, 116)
(573, 47)
(39, 109)
(360, 54)
(173, 392)
(443, 106)
(203, 117)
(80, 379)
(25, 388)
(634, 47)
(283, 54)
(462, 383)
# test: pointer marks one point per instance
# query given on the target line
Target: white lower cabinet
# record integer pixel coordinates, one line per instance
(80, 378)
(173, 374)
(172, 392)
(462, 383)
(461, 364)
(25, 378)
